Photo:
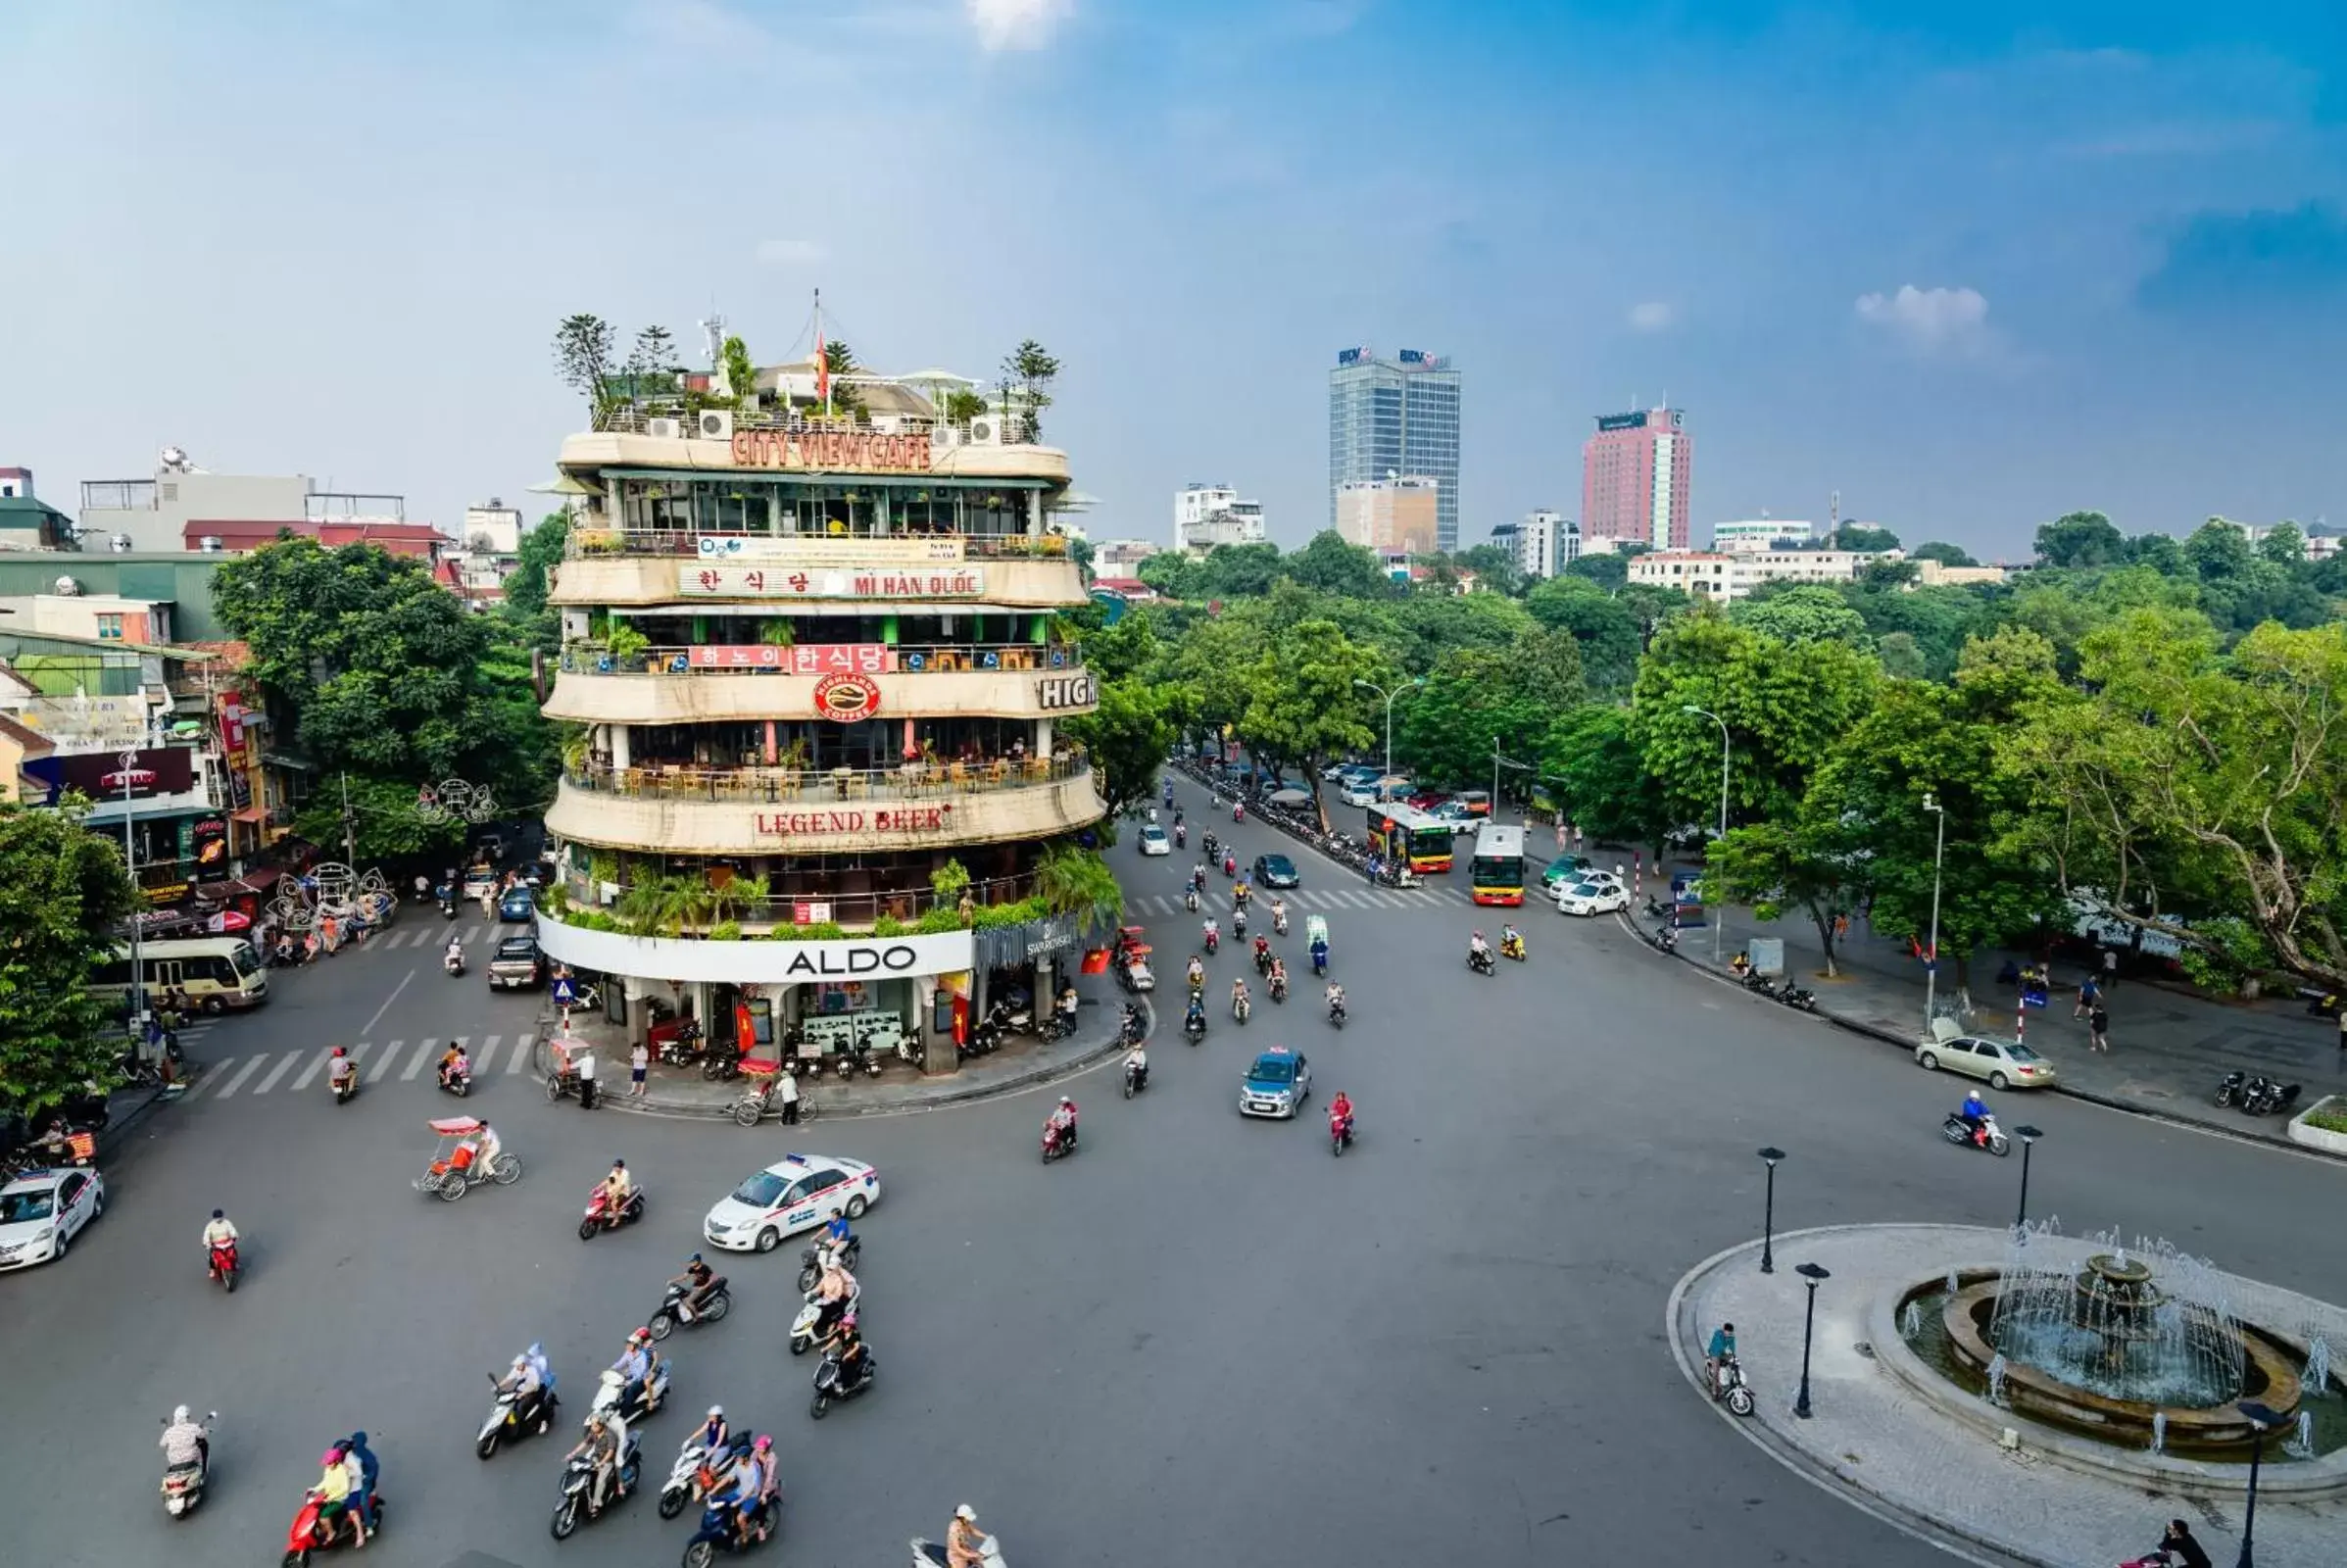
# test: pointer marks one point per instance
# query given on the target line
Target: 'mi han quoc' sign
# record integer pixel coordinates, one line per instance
(786, 582)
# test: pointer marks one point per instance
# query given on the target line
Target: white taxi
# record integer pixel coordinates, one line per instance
(43, 1210)
(796, 1193)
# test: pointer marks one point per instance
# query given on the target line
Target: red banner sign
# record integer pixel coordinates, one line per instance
(847, 698)
(811, 659)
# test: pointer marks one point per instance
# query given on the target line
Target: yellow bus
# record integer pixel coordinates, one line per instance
(214, 973)
(1496, 873)
(1410, 837)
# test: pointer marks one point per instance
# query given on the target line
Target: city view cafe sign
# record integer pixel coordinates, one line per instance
(862, 451)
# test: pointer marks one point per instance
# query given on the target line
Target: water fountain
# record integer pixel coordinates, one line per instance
(2301, 1444)
(2317, 1375)
(2159, 1431)
(1997, 1378)
(1912, 1321)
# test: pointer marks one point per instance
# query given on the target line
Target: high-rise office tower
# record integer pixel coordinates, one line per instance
(1396, 418)
(1634, 478)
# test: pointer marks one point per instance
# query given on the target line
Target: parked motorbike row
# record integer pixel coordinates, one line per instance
(2255, 1094)
(1792, 994)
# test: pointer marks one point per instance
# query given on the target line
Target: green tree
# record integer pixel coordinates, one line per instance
(961, 405)
(1029, 370)
(1478, 701)
(651, 357)
(841, 369)
(541, 552)
(1594, 770)
(1127, 738)
(1652, 607)
(1609, 636)
(1859, 536)
(1329, 564)
(1302, 706)
(1494, 568)
(1945, 554)
(583, 345)
(1072, 880)
(384, 824)
(2160, 551)
(1804, 613)
(1608, 572)
(2217, 549)
(2079, 539)
(1903, 657)
(63, 892)
(741, 371)
(1810, 864)
(1174, 574)
(2284, 546)
(1240, 571)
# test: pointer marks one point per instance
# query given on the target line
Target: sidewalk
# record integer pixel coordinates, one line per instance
(683, 1092)
(2168, 1046)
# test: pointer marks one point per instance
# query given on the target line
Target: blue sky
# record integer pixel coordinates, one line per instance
(1972, 266)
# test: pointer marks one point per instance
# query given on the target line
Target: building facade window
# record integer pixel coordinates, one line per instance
(109, 627)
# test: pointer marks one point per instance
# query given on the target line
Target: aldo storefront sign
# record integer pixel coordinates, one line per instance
(756, 961)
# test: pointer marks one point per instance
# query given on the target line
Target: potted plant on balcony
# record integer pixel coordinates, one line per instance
(627, 645)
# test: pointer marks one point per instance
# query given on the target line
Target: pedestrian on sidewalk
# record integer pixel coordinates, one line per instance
(2099, 1029)
(2091, 991)
(2343, 1034)
(2110, 967)
(585, 1061)
(638, 1058)
(788, 1090)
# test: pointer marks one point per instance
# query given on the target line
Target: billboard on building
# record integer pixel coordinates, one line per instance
(103, 777)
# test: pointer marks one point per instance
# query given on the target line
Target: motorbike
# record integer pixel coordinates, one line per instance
(1512, 948)
(1238, 810)
(929, 1554)
(1193, 1027)
(720, 1063)
(2276, 1095)
(346, 1087)
(598, 1212)
(1320, 962)
(1664, 939)
(1230, 865)
(311, 1531)
(448, 907)
(683, 1048)
(831, 1386)
(1190, 898)
(1262, 962)
(183, 1484)
(578, 1486)
(1134, 1026)
(611, 1390)
(1991, 1138)
(2228, 1088)
(1213, 940)
(1339, 1134)
(1729, 1388)
(1136, 1079)
(458, 1083)
(698, 1472)
(1279, 987)
(513, 1416)
(1238, 923)
(224, 1265)
(804, 1327)
(1337, 1014)
(1481, 961)
(453, 964)
(1181, 835)
(810, 1262)
(1055, 1145)
(1211, 845)
(1793, 995)
(1241, 1007)
(717, 1534)
(665, 1321)
(1279, 922)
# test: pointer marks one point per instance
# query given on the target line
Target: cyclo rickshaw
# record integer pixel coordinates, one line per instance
(457, 1166)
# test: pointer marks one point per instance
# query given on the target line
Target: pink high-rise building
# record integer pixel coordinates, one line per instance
(1634, 478)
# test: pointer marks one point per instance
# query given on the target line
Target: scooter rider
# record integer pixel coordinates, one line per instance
(452, 957)
(702, 1282)
(1277, 979)
(1136, 1064)
(1511, 941)
(1197, 973)
(527, 1386)
(453, 1065)
(1193, 1021)
(635, 1366)
(618, 1186)
(710, 1436)
(1238, 923)
(1477, 948)
(186, 1441)
(601, 1443)
(1976, 1115)
(965, 1542)
(1279, 915)
(1240, 893)
(1263, 953)
(342, 1071)
(362, 1460)
(1181, 833)
(1239, 997)
(1212, 933)
(332, 1493)
(847, 1345)
(1341, 1113)
(1320, 954)
(838, 1236)
(218, 1231)
(1064, 1119)
(834, 1290)
(1336, 1000)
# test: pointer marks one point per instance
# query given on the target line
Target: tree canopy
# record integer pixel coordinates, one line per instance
(63, 892)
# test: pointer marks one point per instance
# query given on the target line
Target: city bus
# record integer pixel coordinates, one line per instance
(1399, 833)
(1496, 873)
(214, 973)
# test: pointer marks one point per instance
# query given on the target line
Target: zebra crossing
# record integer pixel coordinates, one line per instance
(260, 1072)
(1320, 899)
(423, 934)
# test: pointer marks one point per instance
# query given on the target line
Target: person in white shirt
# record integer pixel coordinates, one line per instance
(786, 1089)
(1137, 1062)
(186, 1441)
(584, 1062)
(218, 1231)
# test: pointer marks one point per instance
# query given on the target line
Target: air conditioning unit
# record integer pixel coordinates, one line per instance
(986, 430)
(717, 424)
(943, 437)
(665, 429)
(67, 587)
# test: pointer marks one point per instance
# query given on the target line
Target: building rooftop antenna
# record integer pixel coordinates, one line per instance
(712, 335)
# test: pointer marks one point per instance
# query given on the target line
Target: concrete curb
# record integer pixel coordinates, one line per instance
(1843, 1485)
(2249, 1133)
(1029, 1078)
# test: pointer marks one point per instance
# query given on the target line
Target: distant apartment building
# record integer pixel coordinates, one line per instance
(1932, 574)
(1546, 544)
(488, 550)
(180, 505)
(1762, 534)
(1393, 418)
(1635, 478)
(1392, 514)
(1121, 557)
(1726, 575)
(1210, 515)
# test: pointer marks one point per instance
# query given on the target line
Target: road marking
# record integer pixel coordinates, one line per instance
(242, 1073)
(390, 1054)
(368, 1026)
(522, 1054)
(483, 1058)
(424, 1054)
(309, 1073)
(292, 1060)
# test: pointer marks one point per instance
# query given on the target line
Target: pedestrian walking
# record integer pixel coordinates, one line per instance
(2110, 967)
(2343, 1034)
(789, 1091)
(2099, 1029)
(638, 1058)
(2091, 991)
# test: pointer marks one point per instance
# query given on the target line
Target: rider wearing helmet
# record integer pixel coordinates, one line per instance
(711, 1435)
(1064, 1119)
(601, 1443)
(185, 1442)
(635, 1367)
(218, 1231)
(617, 1186)
(1239, 1002)
(704, 1283)
(1976, 1115)
(1477, 948)
(341, 1069)
(965, 1542)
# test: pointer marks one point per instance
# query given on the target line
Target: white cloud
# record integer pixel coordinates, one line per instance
(1017, 23)
(1930, 321)
(1653, 316)
(784, 252)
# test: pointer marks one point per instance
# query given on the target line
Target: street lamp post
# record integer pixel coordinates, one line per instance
(1389, 695)
(1811, 1274)
(2029, 1136)
(1932, 955)
(1768, 1212)
(1710, 896)
(2264, 1418)
(139, 976)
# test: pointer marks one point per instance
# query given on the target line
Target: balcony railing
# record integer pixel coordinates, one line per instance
(853, 909)
(587, 540)
(589, 659)
(752, 786)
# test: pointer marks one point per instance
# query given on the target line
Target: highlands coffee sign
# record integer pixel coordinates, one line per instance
(832, 450)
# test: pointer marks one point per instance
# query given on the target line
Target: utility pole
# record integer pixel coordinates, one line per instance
(138, 899)
(350, 848)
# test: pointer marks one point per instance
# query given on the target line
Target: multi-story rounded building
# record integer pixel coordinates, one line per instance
(822, 679)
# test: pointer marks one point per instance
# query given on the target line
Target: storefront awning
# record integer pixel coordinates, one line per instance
(252, 815)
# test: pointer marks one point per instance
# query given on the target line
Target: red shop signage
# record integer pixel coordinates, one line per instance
(847, 698)
(813, 658)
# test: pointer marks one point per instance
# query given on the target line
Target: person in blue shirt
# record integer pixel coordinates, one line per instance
(1974, 1113)
(1721, 1351)
(712, 1432)
(634, 1367)
(1320, 954)
(837, 1235)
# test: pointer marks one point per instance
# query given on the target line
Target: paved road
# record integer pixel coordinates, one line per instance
(1201, 1340)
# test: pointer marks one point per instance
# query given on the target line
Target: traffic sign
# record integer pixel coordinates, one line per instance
(566, 992)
